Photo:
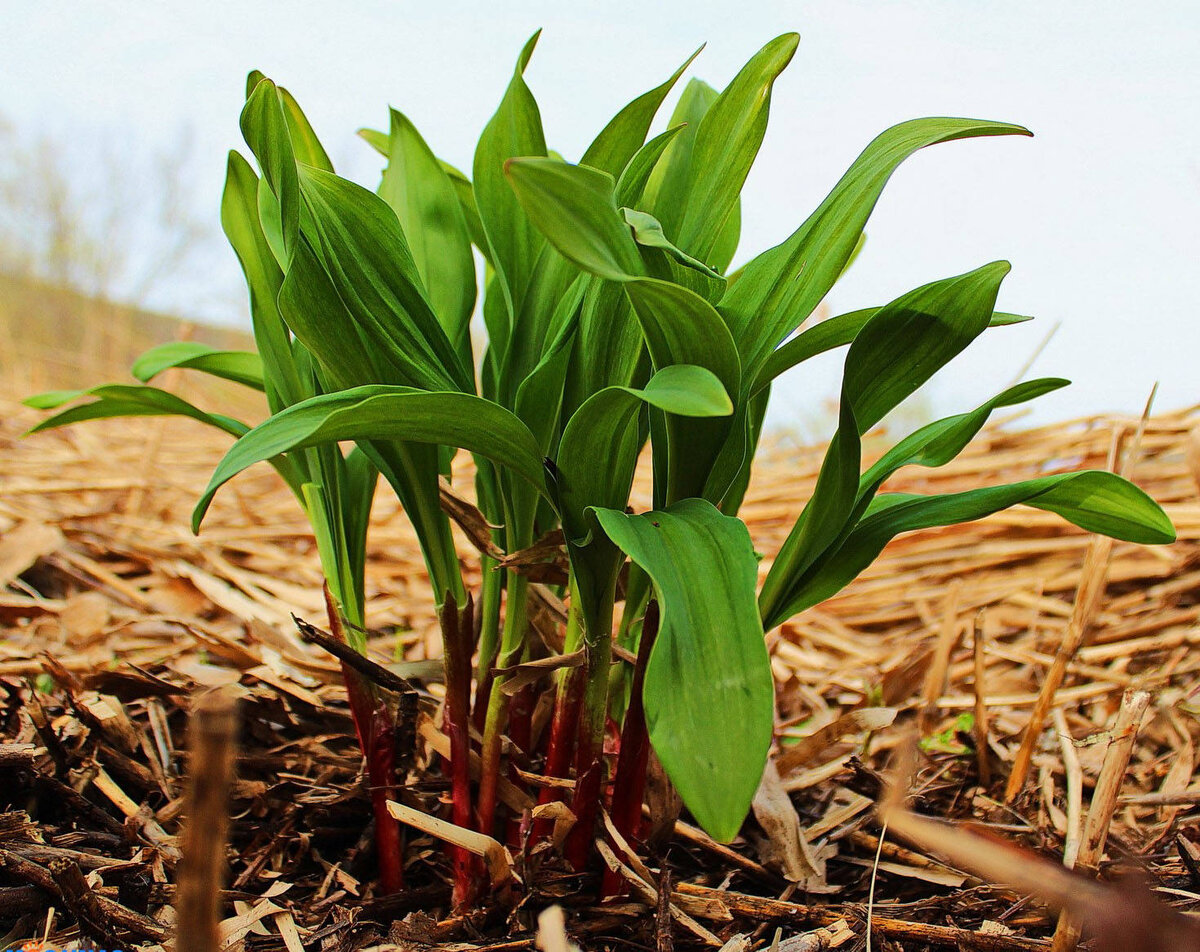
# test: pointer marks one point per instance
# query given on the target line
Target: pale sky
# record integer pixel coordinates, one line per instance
(1098, 213)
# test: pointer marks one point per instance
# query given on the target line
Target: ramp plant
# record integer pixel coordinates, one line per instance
(613, 322)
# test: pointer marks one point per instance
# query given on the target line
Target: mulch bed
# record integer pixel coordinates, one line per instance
(116, 621)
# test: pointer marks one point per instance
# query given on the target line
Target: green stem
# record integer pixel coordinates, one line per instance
(589, 760)
(512, 648)
(494, 580)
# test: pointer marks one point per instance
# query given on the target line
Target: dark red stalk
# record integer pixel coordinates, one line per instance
(458, 640)
(629, 783)
(376, 730)
(589, 777)
(564, 727)
(483, 697)
(589, 752)
(520, 728)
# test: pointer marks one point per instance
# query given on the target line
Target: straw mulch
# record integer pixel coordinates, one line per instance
(116, 620)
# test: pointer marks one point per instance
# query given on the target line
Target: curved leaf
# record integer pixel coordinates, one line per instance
(837, 332)
(240, 366)
(779, 289)
(618, 141)
(382, 413)
(632, 182)
(265, 129)
(515, 130)
(648, 232)
(573, 206)
(682, 328)
(419, 191)
(895, 352)
(1094, 500)
(726, 144)
(709, 695)
(242, 225)
(125, 400)
(358, 240)
(934, 444)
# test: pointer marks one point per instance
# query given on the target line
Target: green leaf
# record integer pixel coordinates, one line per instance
(665, 195)
(726, 145)
(602, 429)
(384, 413)
(709, 695)
(1093, 500)
(625, 133)
(648, 232)
(379, 141)
(895, 352)
(310, 304)
(515, 130)
(239, 366)
(680, 327)
(777, 291)
(266, 131)
(633, 180)
(573, 206)
(305, 145)
(242, 226)
(418, 190)
(124, 400)
(934, 444)
(358, 240)
(837, 332)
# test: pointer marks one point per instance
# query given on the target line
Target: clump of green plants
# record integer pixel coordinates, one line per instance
(613, 321)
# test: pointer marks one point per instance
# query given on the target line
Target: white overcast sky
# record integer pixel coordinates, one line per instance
(1098, 213)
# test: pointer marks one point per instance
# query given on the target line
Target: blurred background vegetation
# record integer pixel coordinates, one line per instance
(90, 233)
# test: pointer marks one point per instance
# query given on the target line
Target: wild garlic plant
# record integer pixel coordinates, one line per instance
(613, 320)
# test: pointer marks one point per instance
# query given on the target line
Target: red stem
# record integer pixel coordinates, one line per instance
(629, 783)
(520, 732)
(375, 727)
(457, 634)
(564, 727)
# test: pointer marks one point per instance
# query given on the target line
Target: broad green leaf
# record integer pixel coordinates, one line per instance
(680, 327)
(1093, 500)
(358, 240)
(932, 445)
(515, 130)
(305, 144)
(466, 201)
(709, 695)
(647, 232)
(726, 244)
(726, 144)
(895, 352)
(837, 332)
(242, 226)
(632, 181)
(776, 291)
(419, 191)
(383, 413)
(603, 429)
(623, 136)
(314, 311)
(266, 131)
(573, 206)
(124, 400)
(665, 193)
(239, 366)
